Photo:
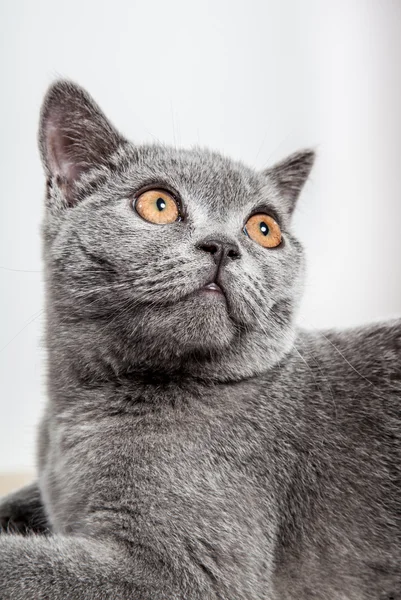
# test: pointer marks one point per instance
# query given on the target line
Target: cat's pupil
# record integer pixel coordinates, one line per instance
(264, 228)
(161, 204)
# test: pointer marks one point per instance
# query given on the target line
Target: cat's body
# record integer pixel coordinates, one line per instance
(290, 473)
(193, 448)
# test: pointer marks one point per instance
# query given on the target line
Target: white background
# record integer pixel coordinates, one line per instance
(256, 80)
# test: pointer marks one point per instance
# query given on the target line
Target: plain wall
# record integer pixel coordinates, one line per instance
(256, 80)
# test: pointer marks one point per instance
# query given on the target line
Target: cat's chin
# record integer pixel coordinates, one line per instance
(199, 324)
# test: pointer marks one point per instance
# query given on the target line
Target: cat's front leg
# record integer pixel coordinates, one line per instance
(77, 568)
(57, 568)
(23, 512)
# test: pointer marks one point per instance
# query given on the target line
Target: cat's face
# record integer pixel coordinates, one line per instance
(178, 275)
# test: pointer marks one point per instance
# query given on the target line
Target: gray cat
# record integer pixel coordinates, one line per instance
(196, 445)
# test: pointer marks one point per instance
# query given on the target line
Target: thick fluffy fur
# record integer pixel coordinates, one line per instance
(193, 448)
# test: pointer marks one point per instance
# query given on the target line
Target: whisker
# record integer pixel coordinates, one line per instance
(34, 317)
(19, 270)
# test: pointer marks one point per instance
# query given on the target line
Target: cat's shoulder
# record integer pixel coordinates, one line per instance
(374, 337)
(371, 352)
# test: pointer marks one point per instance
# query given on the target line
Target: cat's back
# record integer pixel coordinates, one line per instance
(341, 515)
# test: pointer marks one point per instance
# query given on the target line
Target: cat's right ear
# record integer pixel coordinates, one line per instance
(74, 136)
(290, 176)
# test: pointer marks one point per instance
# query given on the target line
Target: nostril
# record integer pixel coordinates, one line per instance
(233, 254)
(220, 249)
(209, 247)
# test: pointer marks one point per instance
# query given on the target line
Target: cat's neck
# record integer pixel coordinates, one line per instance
(81, 349)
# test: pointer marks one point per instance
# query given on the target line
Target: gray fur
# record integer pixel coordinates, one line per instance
(194, 449)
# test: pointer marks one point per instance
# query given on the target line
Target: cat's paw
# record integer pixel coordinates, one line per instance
(22, 512)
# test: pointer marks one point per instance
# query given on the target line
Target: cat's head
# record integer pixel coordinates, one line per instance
(163, 258)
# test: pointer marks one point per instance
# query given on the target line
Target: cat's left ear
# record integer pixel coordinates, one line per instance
(290, 176)
(74, 136)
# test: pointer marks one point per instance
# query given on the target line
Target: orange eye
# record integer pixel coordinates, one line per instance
(263, 230)
(157, 206)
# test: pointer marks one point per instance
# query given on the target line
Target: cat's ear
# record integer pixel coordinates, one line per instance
(74, 135)
(290, 175)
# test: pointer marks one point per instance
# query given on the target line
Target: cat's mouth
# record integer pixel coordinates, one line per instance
(212, 290)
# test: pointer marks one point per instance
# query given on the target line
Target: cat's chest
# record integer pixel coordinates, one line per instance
(184, 456)
(194, 474)
(172, 429)
(166, 422)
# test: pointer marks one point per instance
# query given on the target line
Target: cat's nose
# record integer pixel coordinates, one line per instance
(220, 249)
